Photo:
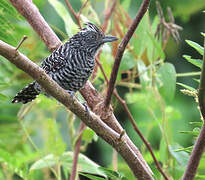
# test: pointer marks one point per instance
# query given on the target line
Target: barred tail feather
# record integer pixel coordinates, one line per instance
(27, 94)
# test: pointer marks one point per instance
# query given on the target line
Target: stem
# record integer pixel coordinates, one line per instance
(199, 146)
(76, 152)
(188, 74)
(121, 49)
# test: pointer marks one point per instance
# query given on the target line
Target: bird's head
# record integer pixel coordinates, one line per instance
(91, 38)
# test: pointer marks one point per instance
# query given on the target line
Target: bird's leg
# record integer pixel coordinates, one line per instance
(72, 93)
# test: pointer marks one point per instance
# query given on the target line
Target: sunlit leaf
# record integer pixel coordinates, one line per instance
(187, 87)
(143, 74)
(45, 162)
(70, 26)
(196, 62)
(181, 156)
(84, 163)
(196, 46)
(92, 177)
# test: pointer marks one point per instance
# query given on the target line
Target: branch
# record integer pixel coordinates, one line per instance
(74, 13)
(134, 159)
(199, 146)
(108, 13)
(33, 16)
(90, 119)
(122, 47)
(126, 109)
(76, 152)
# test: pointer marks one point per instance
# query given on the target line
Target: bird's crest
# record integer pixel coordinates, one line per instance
(91, 27)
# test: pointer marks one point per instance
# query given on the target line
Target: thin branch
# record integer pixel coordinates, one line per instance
(121, 49)
(21, 42)
(74, 13)
(76, 152)
(108, 14)
(141, 136)
(199, 146)
(82, 7)
(135, 126)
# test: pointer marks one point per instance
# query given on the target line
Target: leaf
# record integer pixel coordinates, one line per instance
(48, 161)
(167, 80)
(3, 97)
(70, 26)
(92, 177)
(187, 87)
(89, 135)
(158, 51)
(84, 163)
(196, 62)
(110, 173)
(194, 133)
(196, 46)
(128, 62)
(181, 156)
(142, 70)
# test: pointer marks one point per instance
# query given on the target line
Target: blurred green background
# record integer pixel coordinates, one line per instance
(31, 132)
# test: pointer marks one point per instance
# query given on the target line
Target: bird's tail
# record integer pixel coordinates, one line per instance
(27, 94)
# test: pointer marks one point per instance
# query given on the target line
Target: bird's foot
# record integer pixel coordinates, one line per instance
(86, 108)
(72, 93)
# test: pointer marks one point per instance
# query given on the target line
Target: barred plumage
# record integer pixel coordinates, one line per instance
(71, 64)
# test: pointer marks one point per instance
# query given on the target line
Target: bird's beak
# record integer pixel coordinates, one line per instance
(109, 38)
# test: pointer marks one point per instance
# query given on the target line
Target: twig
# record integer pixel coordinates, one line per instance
(82, 7)
(76, 152)
(21, 42)
(141, 135)
(121, 49)
(199, 146)
(108, 14)
(74, 13)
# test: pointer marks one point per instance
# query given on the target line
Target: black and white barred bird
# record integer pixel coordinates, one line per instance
(71, 64)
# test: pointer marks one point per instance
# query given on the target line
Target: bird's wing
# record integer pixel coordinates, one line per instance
(56, 60)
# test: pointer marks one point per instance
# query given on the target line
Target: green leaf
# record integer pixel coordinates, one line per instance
(158, 51)
(84, 163)
(181, 156)
(48, 161)
(142, 70)
(92, 177)
(187, 87)
(196, 62)
(167, 80)
(196, 46)
(3, 97)
(70, 26)
(110, 173)
(194, 133)
(128, 61)
(89, 135)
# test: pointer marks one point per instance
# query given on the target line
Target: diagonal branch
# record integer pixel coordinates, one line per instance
(121, 49)
(132, 155)
(90, 119)
(199, 146)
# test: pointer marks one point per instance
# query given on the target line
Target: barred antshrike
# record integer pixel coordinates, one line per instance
(71, 64)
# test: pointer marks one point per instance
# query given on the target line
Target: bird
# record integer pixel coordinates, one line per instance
(71, 64)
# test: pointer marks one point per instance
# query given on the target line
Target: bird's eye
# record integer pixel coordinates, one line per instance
(92, 36)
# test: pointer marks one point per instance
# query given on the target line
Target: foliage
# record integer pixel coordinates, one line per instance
(37, 140)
